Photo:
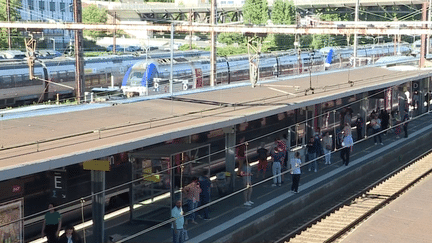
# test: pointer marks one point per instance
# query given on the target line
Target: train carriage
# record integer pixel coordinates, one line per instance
(16, 88)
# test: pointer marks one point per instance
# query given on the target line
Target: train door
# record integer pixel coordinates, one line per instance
(276, 68)
(198, 78)
(228, 73)
(221, 73)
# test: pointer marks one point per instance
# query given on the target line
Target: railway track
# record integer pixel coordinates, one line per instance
(334, 224)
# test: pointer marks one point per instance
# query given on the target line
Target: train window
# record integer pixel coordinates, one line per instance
(7, 82)
(71, 75)
(54, 76)
(164, 75)
(62, 76)
(2, 102)
(18, 81)
(10, 101)
(26, 78)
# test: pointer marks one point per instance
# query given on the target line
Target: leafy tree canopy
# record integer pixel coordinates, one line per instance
(16, 36)
(230, 38)
(255, 12)
(283, 12)
(92, 15)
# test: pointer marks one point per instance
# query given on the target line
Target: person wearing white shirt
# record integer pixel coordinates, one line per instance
(295, 172)
(177, 225)
(347, 145)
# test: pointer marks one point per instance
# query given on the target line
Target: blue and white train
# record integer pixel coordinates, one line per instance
(366, 54)
(153, 75)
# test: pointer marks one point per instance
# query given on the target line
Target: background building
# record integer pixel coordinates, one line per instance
(50, 11)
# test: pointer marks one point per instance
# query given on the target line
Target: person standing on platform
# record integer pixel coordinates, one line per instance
(295, 172)
(178, 224)
(205, 185)
(397, 123)
(376, 126)
(241, 155)
(385, 121)
(52, 224)
(359, 123)
(347, 145)
(405, 125)
(192, 192)
(262, 160)
(311, 154)
(328, 145)
(278, 158)
(70, 236)
(318, 145)
(247, 181)
(285, 162)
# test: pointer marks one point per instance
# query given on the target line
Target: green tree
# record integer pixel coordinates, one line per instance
(278, 13)
(255, 12)
(283, 13)
(16, 36)
(92, 15)
(231, 38)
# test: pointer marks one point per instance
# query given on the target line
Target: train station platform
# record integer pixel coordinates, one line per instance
(39, 143)
(231, 221)
(407, 219)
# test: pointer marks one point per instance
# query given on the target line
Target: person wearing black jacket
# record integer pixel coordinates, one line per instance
(312, 150)
(70, 236)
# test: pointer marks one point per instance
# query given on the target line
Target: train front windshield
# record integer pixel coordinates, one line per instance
(136, 77)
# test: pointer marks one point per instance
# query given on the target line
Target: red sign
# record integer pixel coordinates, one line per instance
(16, 188)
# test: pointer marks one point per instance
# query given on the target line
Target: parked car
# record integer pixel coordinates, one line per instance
(133, 48)
(118, 48)
(194, 38)
(177, 45)
(46, 54)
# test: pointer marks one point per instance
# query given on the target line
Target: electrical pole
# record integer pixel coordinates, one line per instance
(213, 44)
(355, 35)
(190, 32)
(114, 50)
(79, 60)
(423, 37)
(172, 57)
(8, 20)
(428, 37)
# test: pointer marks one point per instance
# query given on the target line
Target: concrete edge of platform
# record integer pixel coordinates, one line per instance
(288, 211)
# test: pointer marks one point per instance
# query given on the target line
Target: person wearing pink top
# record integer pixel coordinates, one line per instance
(241, 155)
(192, 192)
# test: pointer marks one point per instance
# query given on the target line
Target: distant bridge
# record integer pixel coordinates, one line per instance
(352, 3)
(167, 12)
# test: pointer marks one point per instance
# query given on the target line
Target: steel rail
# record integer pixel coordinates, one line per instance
(386, 201)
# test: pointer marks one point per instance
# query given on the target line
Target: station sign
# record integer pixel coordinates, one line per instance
(101, 165)
(13, 188)
(58, 186)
